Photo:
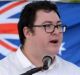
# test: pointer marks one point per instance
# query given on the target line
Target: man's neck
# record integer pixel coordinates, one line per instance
(34, 58)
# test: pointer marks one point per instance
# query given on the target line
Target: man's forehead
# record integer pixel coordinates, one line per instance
(50, 22)
(45, 11)
(47, 17)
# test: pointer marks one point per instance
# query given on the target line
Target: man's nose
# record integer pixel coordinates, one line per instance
(55, 31)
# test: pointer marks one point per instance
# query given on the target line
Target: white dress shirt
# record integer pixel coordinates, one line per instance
(16, 63)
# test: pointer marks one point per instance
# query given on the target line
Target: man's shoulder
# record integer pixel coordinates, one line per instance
(68, 65)
(6, 64)
(8, 60)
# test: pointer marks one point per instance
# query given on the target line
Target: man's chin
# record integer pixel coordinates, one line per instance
(53, 51)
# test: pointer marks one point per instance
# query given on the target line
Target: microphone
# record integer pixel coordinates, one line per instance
(47, 60)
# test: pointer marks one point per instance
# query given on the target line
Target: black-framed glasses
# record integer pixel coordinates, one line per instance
(50, 27)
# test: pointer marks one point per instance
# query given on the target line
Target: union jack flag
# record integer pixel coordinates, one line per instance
(9, 16)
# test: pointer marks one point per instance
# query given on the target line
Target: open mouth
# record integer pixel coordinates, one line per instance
(54, 41)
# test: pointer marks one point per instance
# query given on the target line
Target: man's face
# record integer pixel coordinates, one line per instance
(42, 42)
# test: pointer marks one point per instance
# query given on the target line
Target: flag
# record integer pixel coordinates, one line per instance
(9, 39)
(70, 15)
(9, 17)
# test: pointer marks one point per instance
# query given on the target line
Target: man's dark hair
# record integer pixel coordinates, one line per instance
(28, 14)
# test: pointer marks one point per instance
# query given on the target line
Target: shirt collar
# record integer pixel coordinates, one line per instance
(26, 63)
(23, 59)
(55, 63)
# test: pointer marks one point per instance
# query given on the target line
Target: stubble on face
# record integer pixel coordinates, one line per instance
(42, 40)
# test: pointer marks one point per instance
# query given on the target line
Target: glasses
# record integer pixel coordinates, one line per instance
(50, 27)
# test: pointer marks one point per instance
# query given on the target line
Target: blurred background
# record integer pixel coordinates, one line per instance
(48, 0)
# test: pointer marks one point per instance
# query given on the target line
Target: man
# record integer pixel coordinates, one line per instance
(41, 32)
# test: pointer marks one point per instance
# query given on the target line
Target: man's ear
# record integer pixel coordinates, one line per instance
(26, 32)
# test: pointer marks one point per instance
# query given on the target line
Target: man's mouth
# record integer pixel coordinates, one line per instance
(54, 41)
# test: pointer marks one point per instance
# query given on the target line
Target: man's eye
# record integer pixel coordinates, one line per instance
(59, 26)
(48, 25)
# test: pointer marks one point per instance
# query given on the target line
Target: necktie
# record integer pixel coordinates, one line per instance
(32, 71)
(47, 60)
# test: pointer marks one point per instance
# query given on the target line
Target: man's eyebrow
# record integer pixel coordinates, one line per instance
(46, 22)
(51, 22)
(59, 22)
